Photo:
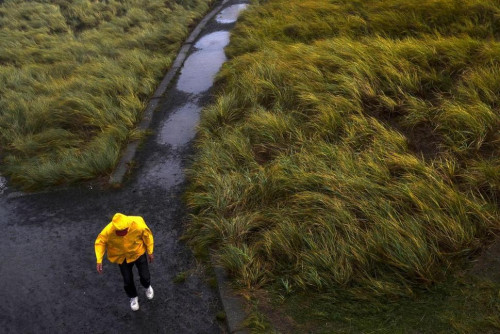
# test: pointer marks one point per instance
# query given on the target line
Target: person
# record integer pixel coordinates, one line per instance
(128, 240)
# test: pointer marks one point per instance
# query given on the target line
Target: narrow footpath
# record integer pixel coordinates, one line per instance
(49, 283)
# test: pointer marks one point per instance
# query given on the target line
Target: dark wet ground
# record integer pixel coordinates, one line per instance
(48, 279)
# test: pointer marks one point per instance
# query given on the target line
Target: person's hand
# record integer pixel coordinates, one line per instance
(151, 257)
(99, 268)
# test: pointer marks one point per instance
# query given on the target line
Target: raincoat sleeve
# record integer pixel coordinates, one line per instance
(100, 245)
(147, 237)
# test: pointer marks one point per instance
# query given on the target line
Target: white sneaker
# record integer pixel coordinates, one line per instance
(150, 293)
(134, 303)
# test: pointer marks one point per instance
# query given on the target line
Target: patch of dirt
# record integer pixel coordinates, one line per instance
(488, 264)
(422, 139)
(263, 154)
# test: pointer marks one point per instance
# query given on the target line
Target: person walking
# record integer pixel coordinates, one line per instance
(128, 241)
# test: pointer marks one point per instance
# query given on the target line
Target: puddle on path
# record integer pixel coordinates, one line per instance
(195, 78)
(197, 74)
(180, 128)
(230, 14)
(214, 41)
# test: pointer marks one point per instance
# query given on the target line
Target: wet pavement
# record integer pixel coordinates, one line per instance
(3, 185)
(48, 279)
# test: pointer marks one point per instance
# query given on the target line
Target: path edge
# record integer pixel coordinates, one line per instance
(127, 157)
(233, 304)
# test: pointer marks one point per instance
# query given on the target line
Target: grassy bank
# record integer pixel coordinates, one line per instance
(74, 79)
(354, 146)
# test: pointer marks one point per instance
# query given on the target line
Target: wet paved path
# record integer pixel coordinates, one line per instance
(48, 281)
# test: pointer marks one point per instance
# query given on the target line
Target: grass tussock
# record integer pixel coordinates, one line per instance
(353, 144)
(74, 78)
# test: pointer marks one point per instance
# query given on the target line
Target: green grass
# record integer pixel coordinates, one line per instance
(353, 146)
(181, 277)
(461, 305)
(74, 79)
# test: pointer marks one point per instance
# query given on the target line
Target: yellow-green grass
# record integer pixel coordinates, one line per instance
(353, 145)
(75, 76)
(459, 305)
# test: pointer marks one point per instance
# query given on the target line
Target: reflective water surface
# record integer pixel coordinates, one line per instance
(180, 127)
(197, 74)
(230, 14)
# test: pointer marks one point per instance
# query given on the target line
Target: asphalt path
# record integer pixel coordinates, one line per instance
(48, 280)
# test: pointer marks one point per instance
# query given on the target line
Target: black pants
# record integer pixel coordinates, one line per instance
(128, 276)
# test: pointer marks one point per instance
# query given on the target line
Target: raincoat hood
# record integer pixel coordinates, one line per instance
(130, 246)
(120, 221)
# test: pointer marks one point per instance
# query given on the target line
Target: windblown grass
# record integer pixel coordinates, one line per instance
(353, 145)
(74, 78)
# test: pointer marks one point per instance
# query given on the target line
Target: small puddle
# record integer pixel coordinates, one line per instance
(214, 41)
(230, 14)
(180, 128)
(197, 74)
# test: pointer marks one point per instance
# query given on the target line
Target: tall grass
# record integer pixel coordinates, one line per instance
(74, 78)
(352, 144)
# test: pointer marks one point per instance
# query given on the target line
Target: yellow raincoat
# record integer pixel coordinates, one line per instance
(130, 247)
